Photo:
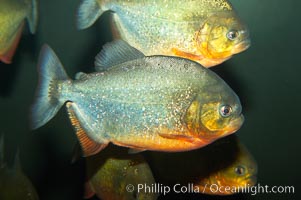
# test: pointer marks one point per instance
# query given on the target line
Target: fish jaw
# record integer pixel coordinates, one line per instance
(204, 57)
(234, 125)
(235, 186)
(242, 46)
(215, 186)
(220, 55)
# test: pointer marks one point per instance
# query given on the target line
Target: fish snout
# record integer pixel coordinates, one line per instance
(251, 180)
(242, 46)
(235, 124)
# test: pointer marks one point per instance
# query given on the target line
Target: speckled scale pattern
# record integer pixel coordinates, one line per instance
(110, 178)
(156, 23)
(139, 97)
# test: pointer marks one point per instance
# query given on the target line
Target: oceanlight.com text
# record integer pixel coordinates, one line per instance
(213, 188)
(253, 190)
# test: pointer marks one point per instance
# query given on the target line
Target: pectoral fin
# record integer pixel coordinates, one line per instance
(89, 147)
(184, 54)
(8, 55)
(177, 137)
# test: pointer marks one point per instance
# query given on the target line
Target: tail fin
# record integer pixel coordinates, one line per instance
(88, 12)
(32, 16)
(47, 103)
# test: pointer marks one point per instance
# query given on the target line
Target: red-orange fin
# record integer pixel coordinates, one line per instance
(88, 191)
(89, 147)
(8, 55)
(184, 54)
(177, 137)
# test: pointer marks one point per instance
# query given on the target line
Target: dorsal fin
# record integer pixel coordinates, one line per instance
(115, 53)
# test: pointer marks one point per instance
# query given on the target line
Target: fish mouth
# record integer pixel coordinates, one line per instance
(251, 180)
(242, 46)
(235, 124)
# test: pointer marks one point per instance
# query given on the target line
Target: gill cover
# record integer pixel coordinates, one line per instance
(220, 34)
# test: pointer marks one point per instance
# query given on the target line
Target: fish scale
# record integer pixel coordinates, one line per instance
(126, 101)
(157, 103)
(169, 28)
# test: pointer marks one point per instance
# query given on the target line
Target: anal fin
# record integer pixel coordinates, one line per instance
(8, 55)
(177, 137)
(89, 146)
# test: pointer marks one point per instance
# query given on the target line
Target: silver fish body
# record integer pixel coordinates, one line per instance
(143, 103)
(205, 31)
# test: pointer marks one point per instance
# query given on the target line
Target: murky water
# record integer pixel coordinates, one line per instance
(266, 77)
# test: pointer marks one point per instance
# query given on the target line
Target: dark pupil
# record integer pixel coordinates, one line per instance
(239, 170)
(226, 111)
(232, 35)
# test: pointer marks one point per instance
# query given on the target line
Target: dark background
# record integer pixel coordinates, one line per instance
(266, 77)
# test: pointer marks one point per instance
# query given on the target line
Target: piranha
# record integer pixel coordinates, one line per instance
(12, 16)
(225, 163)
(111, 171)
(206, 31)
(155, 103)
(14, 184)
(238, 175)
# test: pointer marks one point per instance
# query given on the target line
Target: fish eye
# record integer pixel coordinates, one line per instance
(240, 170)
(225, 110)
(232, 34)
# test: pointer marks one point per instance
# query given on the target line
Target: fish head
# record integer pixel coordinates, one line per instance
(214, 113)
(240, 174)
(221, 36)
